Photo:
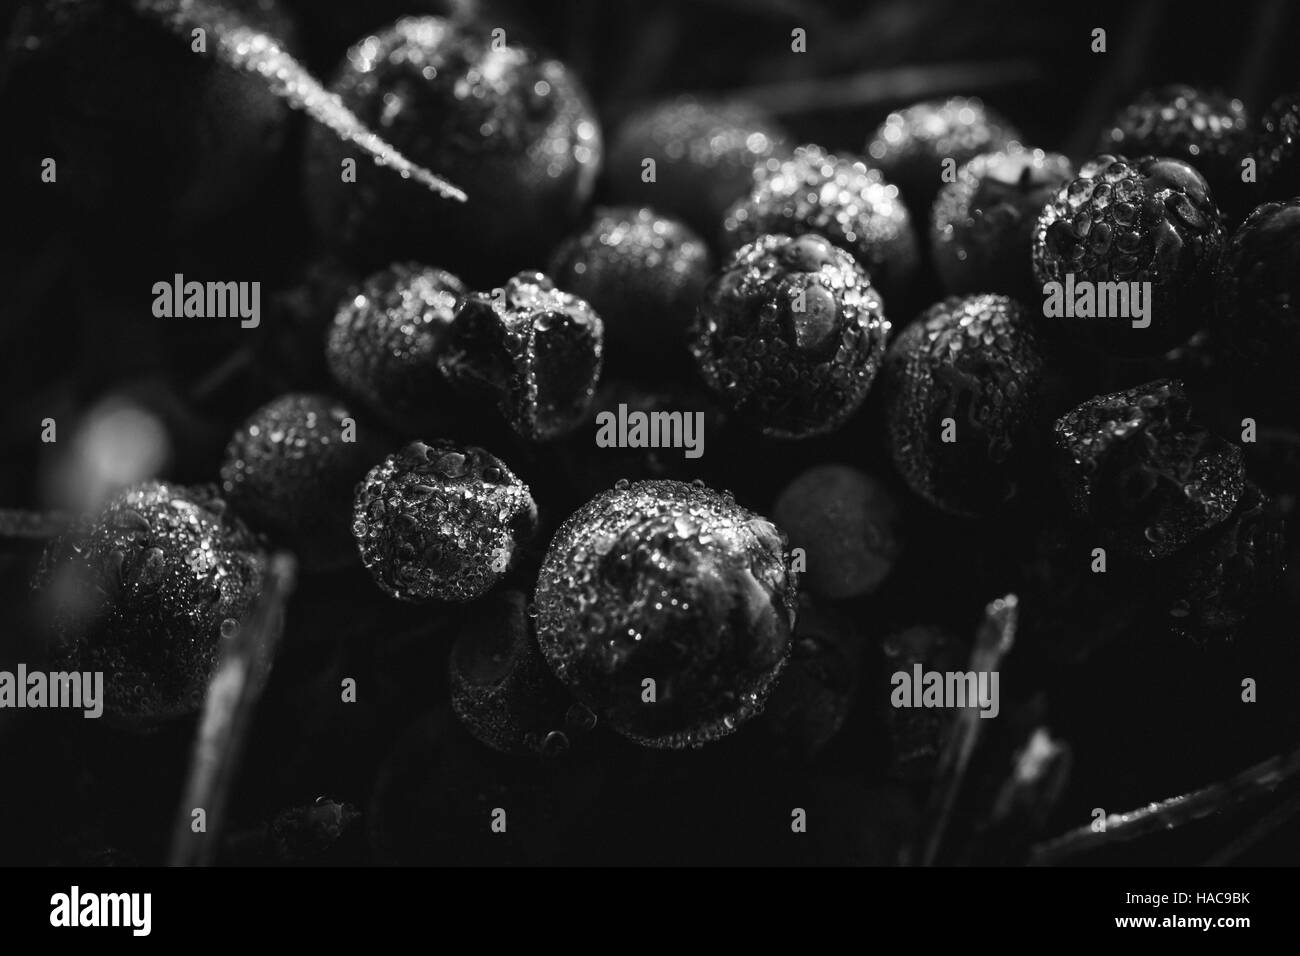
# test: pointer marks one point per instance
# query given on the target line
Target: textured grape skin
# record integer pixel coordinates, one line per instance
(704, 152)
(1277, 149)
(643, 273)
(847, 522)
(672, 582)
(441, 522)
(840, 198)
(786, 373)
(446, 98)
(290, 474)
(143, 592)
(536, 351)
(981, 226)
(977, 360)
(911, 145)
(1255, 321)
(384, 343)
(1151, 219)
(1207, 130)
(1134, 466)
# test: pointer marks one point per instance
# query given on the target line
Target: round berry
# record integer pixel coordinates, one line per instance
(1138, 468)
(848, 525)
(1207, 130)
(704, 154)
(303, 311)
(982, 225)
(501, 687)
(290, 471)
(1273, 462)
(386, 339)
(513, 130)
(331, 26)
(534, 350)
(813, 698)
(912, 145)
(840, 198)
(668, 609)
(1277, 149)
(146, 590)
(1257, 302)
(441, 522)
(1225, 574)
(644, 274)
(790, 335)
(962, 385)
(1147, 220)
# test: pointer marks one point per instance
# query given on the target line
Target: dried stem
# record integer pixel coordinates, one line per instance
(1278, 817)
(1174, 812)
(232, 696)
(995, 638)
(222, 373)
(241, 46)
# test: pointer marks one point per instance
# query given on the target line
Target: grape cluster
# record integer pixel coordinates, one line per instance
(924, 433)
